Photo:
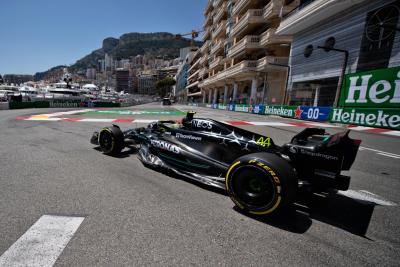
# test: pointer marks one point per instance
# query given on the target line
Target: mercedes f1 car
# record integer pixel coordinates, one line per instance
(258, 175)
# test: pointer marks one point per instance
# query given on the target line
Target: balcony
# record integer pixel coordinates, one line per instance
(252, 19)
(242, 70)
(194, 75)
(208, 8)
(207, 34)
(219, 30)
(205, 47)
(305, 16)
(195, 64)
(202, 72)
(220, 13)
(208, 21)
(217, 47)
(273, 8)
(204, 59)
(216, 3)
(241, 6)
(249, 43)
(217, 61)
(267, 63)
(269, 37)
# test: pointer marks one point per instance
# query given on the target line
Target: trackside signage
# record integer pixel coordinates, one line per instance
(284, 111)
(372, 117)
(372, 89)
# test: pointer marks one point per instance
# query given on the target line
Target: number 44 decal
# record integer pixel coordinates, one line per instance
(264, 141)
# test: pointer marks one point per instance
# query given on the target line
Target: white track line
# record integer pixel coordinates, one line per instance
(365, 195)
(68, 112)
(379, 151)
(96, 120)
(318, 124)
(43, 119)
(43, 243)
(395, 133)
(389, 155)
(265, 123)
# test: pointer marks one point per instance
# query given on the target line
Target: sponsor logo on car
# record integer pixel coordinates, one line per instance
(315, 154)
(202, 124)
(166, 146)
(188, 136)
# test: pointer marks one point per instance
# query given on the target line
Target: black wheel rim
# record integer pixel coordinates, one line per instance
(106, 141)
(253, 187)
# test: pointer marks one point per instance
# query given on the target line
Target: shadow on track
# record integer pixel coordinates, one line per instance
(343, 212)
(339, 211)
(123, 154)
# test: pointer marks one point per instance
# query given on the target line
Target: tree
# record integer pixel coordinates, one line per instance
(164, 86)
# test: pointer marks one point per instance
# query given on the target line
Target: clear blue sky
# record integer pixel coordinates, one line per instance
(36, 35)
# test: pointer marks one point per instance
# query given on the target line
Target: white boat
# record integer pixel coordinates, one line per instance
(28, 92)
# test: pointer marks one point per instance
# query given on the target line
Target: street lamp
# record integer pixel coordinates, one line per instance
(329, 45)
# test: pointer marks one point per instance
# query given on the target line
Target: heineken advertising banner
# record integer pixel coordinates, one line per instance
(60, 103)
(284, 111)
(372, 117)
(370, 98)
(242, 108)
(372, 89)
(220, 106)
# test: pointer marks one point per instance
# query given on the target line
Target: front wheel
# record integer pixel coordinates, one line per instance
(261, 183)
(111, 140)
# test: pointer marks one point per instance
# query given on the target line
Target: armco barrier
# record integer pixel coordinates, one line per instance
(106, 105)
(58, 104)
(370, 117)
(296, 112)
(314, 113)
(19, 105)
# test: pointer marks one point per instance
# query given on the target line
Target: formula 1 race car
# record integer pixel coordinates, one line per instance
(259, 176)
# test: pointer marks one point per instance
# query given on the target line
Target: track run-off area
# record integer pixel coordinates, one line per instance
(64, 203)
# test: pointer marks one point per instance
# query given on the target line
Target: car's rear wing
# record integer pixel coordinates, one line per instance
(316, 154)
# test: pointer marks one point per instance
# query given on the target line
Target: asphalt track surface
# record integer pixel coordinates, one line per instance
(137, 216)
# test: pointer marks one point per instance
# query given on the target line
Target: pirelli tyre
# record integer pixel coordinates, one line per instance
(111, 140)
(261, 183)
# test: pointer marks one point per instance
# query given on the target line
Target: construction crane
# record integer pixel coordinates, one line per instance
(193, 34)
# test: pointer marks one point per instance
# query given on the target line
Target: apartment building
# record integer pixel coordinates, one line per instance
(122, 80)
(368, 31)
(193, 92)
(146, 84)
(242, 59)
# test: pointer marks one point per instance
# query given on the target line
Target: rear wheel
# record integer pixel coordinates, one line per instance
(261, 183)
(111, 140)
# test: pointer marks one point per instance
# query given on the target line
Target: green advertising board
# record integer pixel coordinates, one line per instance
(221, 106)
(284, 111)
(372, 89)
(371, 117)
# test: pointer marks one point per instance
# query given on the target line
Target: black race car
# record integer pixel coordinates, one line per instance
(259, 176)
